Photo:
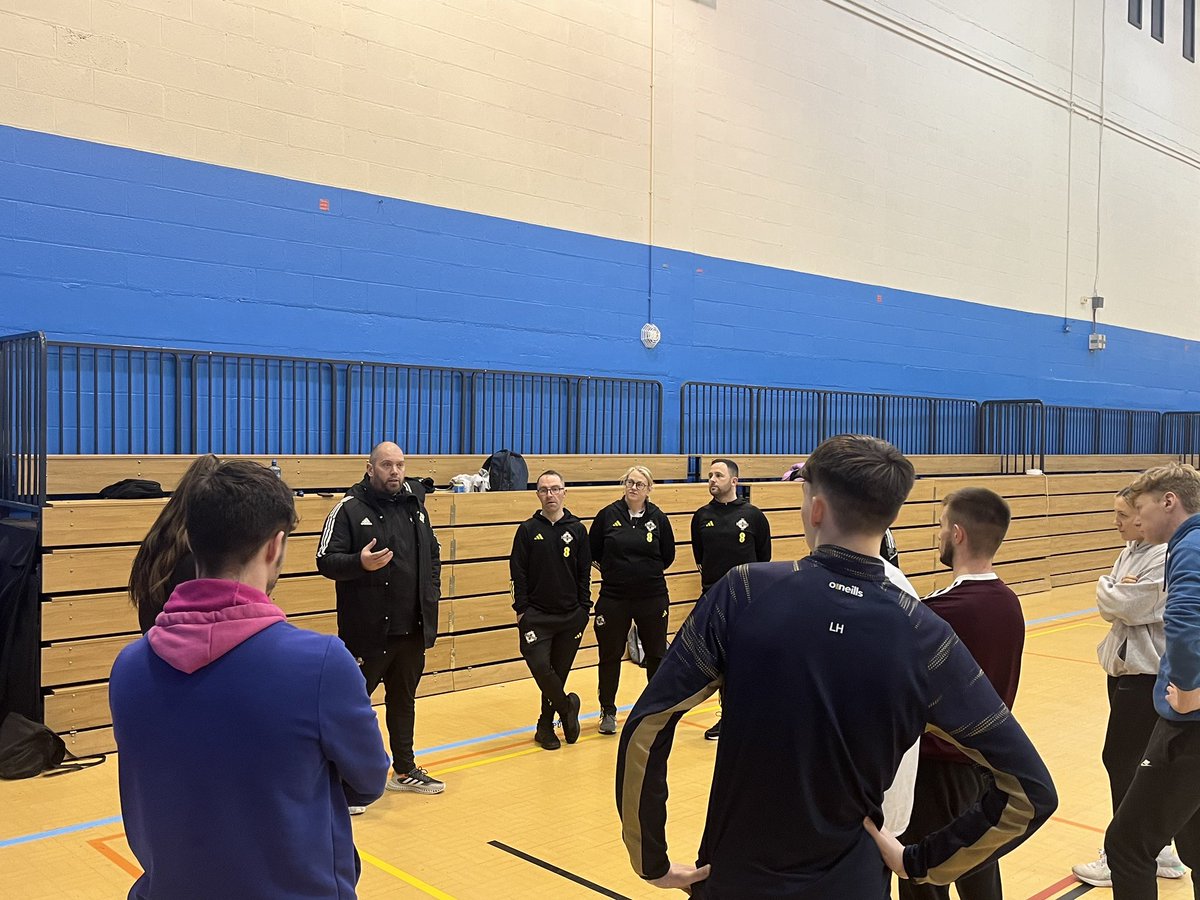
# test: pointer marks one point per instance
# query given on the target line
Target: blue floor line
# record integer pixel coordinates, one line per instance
(503, 734)
(1067, 615)
(112, 820)
(55, 832)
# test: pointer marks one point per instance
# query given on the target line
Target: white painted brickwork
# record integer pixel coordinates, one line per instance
(894, 142)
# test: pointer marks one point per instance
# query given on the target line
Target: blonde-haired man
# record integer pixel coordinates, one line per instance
(1164, 799)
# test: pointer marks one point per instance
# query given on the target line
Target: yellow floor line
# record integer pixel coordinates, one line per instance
(476, 763)
(404, 876)
(1062, 628)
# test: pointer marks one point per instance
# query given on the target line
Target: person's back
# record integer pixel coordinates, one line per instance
(231, 763)
(831, 673)
(241, 740)
(816, 726)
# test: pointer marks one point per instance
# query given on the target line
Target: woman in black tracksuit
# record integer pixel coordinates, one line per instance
(633, 546)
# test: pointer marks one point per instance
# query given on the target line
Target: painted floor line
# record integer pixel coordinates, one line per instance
(1056, 887)
(550, 867)
(412, 880)
(55, 832)
(528, 729)
(100, 845)
(1066, 615)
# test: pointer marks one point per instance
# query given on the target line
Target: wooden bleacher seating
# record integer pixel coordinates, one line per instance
(1061, 534)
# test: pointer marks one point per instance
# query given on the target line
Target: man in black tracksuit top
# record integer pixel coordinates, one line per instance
(633, 546)
(551, 568)
(726, 533)
(379, 546)
(831, 673)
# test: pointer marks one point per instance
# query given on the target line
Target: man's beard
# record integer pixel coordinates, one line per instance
(946, 556)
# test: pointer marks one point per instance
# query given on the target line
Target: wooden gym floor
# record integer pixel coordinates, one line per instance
(519, 822)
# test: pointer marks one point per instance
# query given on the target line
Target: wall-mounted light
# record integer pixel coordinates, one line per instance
(650, 335)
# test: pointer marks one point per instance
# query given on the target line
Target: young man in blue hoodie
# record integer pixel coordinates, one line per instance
(242, 739)
(1164, 798)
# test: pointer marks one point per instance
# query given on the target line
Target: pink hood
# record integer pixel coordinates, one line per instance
(206, 618)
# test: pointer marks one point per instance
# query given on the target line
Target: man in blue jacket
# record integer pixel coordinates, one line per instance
(1164, 799)
(242, 738)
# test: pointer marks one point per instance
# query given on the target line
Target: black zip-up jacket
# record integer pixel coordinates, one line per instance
(551, 565)
(725, 535)
(633, 553)
(364, 598)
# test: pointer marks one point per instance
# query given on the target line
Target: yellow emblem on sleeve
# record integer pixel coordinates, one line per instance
(566, 552)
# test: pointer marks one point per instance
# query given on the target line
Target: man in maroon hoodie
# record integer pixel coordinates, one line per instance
(986, 615)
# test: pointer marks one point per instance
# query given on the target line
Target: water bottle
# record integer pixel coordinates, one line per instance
(278, 472)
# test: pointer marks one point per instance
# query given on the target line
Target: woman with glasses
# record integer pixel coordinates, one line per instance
(633, 546)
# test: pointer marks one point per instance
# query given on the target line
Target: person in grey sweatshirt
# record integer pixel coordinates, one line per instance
(1132, 600)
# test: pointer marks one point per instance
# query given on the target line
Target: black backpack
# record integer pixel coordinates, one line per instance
(27, 749)
(132, 489)
(506, 471)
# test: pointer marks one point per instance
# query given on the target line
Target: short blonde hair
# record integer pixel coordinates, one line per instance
(1179, 479)
(643, 472)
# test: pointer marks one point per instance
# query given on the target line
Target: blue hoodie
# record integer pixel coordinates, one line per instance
(241, 739)
(1180, 664)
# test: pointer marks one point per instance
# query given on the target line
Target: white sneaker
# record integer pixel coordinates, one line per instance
(1169, 865)
(1098, 874)
(1095, 873)
(418, 781)
(357, 810)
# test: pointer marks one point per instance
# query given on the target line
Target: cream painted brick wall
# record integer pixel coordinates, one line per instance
(908, 143)
(131, 94)
(27, 35)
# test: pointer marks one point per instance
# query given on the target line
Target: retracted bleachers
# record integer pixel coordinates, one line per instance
(1061, 533)
(89, 546)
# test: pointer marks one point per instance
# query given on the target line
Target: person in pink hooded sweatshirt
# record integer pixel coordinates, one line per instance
(241, 739)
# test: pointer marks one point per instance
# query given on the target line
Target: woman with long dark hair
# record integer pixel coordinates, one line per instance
(164, 560)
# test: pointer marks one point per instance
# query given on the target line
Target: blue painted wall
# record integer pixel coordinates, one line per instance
(111, 245)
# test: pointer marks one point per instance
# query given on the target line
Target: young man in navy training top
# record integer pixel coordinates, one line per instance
(831, 673)
(551, 570)
(726, 532)
(1164, 798)
(242, 738)
(986, 615)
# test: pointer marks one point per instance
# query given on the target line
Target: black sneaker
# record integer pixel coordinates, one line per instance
(714, 733)
(546, 738)
(571, 721)
(608, 721)
(418, 781)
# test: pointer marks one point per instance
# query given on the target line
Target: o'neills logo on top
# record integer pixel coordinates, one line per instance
(846, 588)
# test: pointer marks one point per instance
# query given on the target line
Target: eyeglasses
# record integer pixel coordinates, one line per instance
(553, 489)
(635, 485)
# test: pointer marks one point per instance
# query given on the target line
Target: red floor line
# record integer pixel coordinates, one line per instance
(1055, 888)
(1078, 825)
(449, 759)
(100, 845)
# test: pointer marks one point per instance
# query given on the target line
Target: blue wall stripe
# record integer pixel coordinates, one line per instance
(107, 244)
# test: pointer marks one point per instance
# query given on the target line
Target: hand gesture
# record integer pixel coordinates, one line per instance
(890, 849)
(1129, 579)
(1183, 701)
(682, 876)
(377, 560)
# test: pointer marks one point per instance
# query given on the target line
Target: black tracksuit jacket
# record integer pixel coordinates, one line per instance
(551, 565)
(365, 599)
(633, 554)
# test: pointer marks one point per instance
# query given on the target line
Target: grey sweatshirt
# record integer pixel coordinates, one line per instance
(1135, 644)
